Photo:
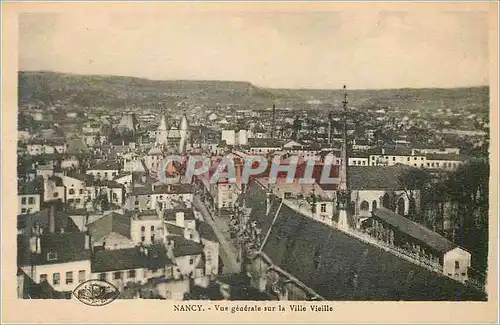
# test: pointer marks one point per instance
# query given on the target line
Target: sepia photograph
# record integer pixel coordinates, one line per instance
(263, 155)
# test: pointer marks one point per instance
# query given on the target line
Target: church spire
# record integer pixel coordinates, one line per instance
(343, 195)
(345, 158)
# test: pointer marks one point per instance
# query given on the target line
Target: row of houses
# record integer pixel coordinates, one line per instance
(63, 248)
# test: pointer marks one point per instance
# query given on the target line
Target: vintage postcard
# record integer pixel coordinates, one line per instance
(241, 162)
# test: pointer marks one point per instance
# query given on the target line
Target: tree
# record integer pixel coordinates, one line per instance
(468, 188)
(411, 181)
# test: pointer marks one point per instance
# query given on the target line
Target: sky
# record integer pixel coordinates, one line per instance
(363, 48)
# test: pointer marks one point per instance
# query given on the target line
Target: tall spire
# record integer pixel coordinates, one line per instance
(273, 126)
(345, 162)
(330, 128)
(343, 195)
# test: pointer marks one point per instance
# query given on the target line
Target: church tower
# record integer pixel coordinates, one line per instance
(162, 131)
(184, 133)
(343, 194)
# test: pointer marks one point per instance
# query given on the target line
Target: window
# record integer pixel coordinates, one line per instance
(457, 265)
(23, 200)
(143, 228)
(152, 238)
(81, 276)
(71, 191)
(31, 200)
(152, 228)
(117, 275)
(323, 207)
(393, 158)
(69, 277)
(136, 202)
(364, 206)
(71, 201)
(131, 274)
(191, 261)
(81, 191)
(23, 210)
(143, 238)
(78, 200)
(56, 194)
(51, 256)
(408, 158)
(43, 277)
(56, 278)
(103, 276)
(106, 174)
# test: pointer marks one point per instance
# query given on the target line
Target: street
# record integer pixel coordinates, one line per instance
(228, 251)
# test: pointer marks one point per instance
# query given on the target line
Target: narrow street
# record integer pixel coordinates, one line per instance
(228, 251)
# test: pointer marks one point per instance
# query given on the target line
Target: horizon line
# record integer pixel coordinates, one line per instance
(245, 81)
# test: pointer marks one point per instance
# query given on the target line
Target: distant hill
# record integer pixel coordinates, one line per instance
(114, 91)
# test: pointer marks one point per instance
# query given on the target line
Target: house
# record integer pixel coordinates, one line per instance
(147, 227)
(61, 259)
(110, 232)
(151, 196)
(441, 161)
(30, 196)
(127, 266)
(77, 193)
(54, 189)
(263, 146)
(187, 256)
(105, 170)
(210, 244)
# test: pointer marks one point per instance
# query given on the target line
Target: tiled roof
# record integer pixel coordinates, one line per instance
(378, 177)
(264, 143)
(76, 146)
(444, 156)
(174, 230)
(185, 247)
(169, 215)
(70, 247)
(207, 232)
(112, 222)
(174, 189)
(130, 258)
(419, 232)
(106, 165)
(339, 267)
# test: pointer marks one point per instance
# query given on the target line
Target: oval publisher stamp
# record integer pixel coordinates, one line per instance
(96, 293)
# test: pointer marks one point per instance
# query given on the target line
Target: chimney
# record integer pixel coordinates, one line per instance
(38, 245)
(52, 219)
(383, 151)
(179, 219)
(87, 241)
(170, 250)
(33, 244)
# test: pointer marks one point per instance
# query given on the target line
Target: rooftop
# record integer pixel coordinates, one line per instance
(65, 247)
(129, 259)
(415, 230)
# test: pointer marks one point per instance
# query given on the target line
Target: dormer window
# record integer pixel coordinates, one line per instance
(51, 256)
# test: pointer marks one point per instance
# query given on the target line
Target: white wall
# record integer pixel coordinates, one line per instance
(28, 207)
(61, 268)
(464, 262)
(103, 174)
